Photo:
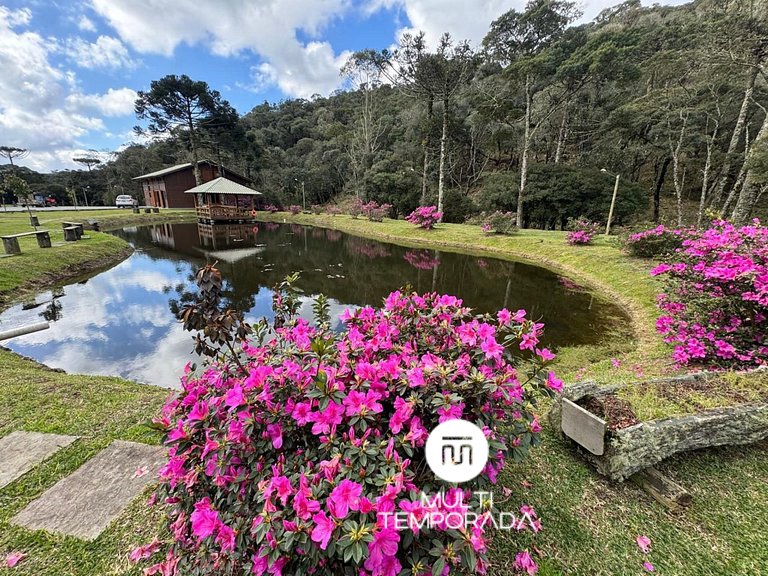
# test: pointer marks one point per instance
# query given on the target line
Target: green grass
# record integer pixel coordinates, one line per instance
(36, 267)
(97, 409)
(589, 524)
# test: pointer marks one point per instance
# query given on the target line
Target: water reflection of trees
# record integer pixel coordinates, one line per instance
(358, 271)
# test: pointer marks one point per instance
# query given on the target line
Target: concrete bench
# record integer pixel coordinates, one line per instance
(72, 233)
(77, 225)
(11, 242)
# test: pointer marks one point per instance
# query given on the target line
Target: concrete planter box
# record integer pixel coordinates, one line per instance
(629, 450)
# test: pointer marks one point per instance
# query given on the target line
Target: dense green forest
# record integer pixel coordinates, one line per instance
(672, 99)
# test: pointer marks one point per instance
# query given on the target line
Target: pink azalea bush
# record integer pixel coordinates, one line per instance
(715, 297)
(271, 208)
(657, 241)
(374, 211)
(425, 217)
(294, 209)
(289, 460)
(582, 232)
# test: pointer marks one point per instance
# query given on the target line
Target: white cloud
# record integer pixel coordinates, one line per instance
(115, 102)
(86, 24)
(267, 28)
(41, 106)
(106, 53)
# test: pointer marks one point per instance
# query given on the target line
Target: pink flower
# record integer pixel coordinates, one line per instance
(204, 519)
(345, 497)
(545, 354)
(525, 563)
(644, 543)
(14, 558)
(648, 566)
(615, 362)
(504, 316)
(383, 546)
(450, 412)
(234, 397)
(198, 412)
(141, 471)
(144, 551)
(301, 413)
(554, 383)
(275, 433)
(226, 538)
(323, 529)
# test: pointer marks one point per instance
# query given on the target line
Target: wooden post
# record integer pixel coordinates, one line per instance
(613, 203)
(43, 239)
(662, 489)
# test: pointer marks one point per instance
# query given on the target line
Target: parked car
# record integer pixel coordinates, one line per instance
(37, 200)
(125, 201)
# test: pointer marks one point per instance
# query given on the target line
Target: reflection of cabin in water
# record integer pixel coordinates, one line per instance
(165, 188)
(220, 236)
(223, 200)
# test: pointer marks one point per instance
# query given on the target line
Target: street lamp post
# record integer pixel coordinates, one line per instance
(613, 202)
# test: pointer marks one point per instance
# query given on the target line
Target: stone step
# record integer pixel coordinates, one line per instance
(21, 451)
(84, 503)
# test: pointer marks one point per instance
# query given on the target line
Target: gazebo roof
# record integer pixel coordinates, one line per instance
(223, 186)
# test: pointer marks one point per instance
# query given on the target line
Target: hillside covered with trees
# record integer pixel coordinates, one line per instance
(672, 99)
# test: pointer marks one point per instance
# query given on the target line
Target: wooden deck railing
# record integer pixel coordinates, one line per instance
(219, 212)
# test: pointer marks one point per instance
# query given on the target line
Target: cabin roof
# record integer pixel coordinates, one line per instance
(222, 186)
(180, 167)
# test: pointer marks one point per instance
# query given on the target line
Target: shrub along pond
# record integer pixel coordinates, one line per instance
(122, 321)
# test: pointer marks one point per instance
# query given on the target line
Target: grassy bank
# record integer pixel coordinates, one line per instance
(36, 267)
(589, 524)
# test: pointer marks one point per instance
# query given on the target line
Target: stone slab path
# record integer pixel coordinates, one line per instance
(85, 502)
(21, 451)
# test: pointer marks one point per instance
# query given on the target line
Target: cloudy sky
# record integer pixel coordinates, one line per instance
(69, 70)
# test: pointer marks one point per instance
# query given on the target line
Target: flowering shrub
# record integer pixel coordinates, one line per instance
(374, 212)
(356, 208)
(271, 208)
(316, 209)
(425, 217)
(716, 296)
(333, 210)
(499, 223)
(656, 241)
(294, 209)
(582, 232)
(292, 463)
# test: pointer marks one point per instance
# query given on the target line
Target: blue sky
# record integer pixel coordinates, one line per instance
(71, 69)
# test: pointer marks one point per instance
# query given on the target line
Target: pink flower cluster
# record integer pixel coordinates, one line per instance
(294, 209)
(657, 241)
(425, 217)
(583, 232)
(293, 465)
(715, 300)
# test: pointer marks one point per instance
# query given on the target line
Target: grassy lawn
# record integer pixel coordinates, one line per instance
(589, 524)
(97, 409)
(37, 267)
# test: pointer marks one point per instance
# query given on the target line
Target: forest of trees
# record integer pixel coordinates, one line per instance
(673, 99)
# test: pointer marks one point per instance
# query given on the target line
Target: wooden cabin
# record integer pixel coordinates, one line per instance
(166, 188)
(223, 200)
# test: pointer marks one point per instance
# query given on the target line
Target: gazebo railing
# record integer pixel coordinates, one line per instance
(220, 212)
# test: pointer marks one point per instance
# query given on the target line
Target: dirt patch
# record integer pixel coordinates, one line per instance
(614, 410)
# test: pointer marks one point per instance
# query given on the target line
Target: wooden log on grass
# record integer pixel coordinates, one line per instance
(662, 489)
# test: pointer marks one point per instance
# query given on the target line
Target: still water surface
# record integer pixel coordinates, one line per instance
(120, 322)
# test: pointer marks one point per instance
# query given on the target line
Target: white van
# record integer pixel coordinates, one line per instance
(124, 201)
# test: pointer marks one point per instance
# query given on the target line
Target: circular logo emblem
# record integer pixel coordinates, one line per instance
(457, 451)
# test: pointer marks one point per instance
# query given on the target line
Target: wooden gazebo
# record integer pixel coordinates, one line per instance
(222, 200)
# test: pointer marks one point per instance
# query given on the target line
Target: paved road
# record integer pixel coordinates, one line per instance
(65, 208)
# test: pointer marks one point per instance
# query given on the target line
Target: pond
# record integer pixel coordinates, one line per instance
(121, 322)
